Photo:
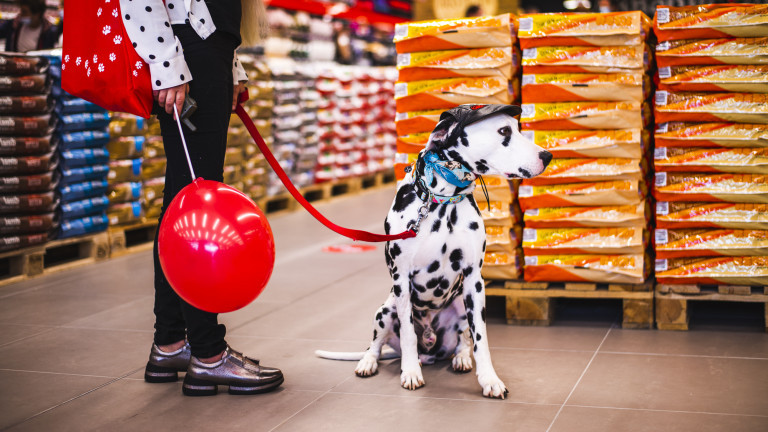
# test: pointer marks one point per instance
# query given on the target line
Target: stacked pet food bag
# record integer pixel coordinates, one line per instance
(355, 116)
(259, 107)
(126, 153)
(446, 63)
(28, 155)
(152, 168)
(584, 89)
(83, 136)
(711, 159)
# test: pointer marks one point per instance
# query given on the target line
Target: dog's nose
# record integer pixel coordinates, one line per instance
(546, 157)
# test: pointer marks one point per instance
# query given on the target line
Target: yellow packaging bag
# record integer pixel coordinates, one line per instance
(731, 160)
(710, 21)
(583, 29)
(501, 62)
(586, 268)
(575, 217)
(711, 107)
(721, 78)
(479, 32)
(737, 51)
(622, 143)
(711, 215)
(585, 87)
(550, 241)
(682, 134)
(718, 270)
(734, 188)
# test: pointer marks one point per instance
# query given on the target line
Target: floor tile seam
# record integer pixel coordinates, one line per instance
(414, 396)
(290, 303)
(683, 355)
(668, 411)
(22, 339)
(584, 372)
(307, 405)
(61, 373)
(99, 387)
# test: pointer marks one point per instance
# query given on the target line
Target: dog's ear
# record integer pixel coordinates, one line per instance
(440, 136)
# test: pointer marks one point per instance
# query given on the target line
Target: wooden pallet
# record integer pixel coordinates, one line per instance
(135, 237)
(532, 303)
(672, 301)
(56, 255)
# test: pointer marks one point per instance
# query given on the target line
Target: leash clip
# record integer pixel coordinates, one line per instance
(423, 212)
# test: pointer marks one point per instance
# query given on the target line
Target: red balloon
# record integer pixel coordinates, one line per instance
(216, 247)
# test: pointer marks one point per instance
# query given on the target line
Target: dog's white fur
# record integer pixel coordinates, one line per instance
(436, 275)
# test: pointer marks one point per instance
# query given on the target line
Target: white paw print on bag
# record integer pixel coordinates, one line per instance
(106, 30)
(95, 58)
(118, 39)
(98, 12)
(101, 67)
(114, 13)
(112, 57)
(139, 65)
(78, 61)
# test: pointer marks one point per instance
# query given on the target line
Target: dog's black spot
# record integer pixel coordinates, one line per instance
(506, 141)
(456, 328)
(438, 292)
(385, 310)
(482, 314)
(396, 276)
(394, 314)
(433, 282)
(481, 263)
(396, 289)
(472, 225)
(444, 283)
(456, 257)
(454, 155)
(394, 251)
(411, 319)
(436, 226)
(449, 225)
(525, 172)
(378, 316)
(405, 196)
(469, 303)
(381, 324)
(386, 227)
(471, 321)
(454, 216)
(481, 166)
(468, 270)
(478, 337)
(396, 329)
(375, 334)
(433, 267)
(479, 287)
(445, 248)
(411, 223)
(475, 348)
(433, 207)
(474, 205)
(441, 213)
(419, 288)
(433, 184)
(463, 138)
(484, 242)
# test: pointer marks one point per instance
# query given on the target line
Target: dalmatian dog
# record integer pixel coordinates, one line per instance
(436, 307)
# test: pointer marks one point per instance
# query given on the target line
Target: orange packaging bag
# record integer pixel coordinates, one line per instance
(499, 213)
(551, 241)
(412, 143)
(479, 32)
(731, 160)
(417, 122)
(419, 66)
(498, 188)
(734, 188)
(682, 134)
(586, 268)
(502, 265)
(737, 51)
(583, 29)
(709, 242)
(718, 270)
(563, 59)
(623, 143)
(721, 78)
(585, 87)
(711, 215)
(575, 217)
(710, 21)
(501, 239)
(448, 93)
(573, 170)
(582, 115)
(591, 194)
(711, 107)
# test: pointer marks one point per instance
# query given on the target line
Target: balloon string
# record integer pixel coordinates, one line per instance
(183, 141)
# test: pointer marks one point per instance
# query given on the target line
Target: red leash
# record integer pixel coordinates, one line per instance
(351, 233)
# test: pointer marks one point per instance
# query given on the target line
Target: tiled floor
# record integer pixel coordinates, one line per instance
(73, 347)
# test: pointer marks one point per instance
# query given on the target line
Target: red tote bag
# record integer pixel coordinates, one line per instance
(98, 61)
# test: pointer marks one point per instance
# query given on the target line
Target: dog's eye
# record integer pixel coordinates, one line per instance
(505, 131)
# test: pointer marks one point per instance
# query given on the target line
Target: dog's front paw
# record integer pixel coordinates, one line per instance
(367, 366)
(411, 380)
(462, 362)
(493, 387)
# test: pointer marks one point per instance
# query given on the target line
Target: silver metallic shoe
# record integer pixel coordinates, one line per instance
(165, 366)
(242, 374)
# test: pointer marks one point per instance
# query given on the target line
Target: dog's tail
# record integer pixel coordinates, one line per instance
(386, 354)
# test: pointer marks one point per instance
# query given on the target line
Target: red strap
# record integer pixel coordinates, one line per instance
(351, 233)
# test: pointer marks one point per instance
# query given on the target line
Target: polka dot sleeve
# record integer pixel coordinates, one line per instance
(149, 28)
(238, 72)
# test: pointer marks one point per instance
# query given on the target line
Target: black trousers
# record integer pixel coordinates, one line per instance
(210, 62)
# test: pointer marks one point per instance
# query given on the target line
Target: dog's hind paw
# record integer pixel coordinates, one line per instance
(494, 388)
(411, 380)
(462, 363)
(367, 366)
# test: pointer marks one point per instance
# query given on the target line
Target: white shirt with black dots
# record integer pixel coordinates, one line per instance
(148, 24)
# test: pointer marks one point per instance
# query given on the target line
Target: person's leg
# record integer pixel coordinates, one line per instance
(210, 62)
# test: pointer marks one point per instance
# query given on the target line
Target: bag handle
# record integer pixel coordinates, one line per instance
(346, 232)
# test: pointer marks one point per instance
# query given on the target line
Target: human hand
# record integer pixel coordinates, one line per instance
(169, 97)
(239, 88)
